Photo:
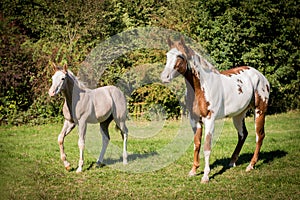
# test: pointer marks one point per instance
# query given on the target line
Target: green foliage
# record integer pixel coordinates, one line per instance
(154, 98)
(262, 34)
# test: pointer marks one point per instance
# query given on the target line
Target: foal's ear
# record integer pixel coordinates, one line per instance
(170, 42)
(65, 68)
(54, 66)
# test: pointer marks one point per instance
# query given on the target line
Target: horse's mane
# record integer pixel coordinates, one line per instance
(198, 62)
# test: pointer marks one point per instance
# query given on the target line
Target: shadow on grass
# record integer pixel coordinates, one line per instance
(130, 157)
(266, 157)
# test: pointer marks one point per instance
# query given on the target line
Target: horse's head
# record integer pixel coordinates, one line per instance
(58, 80)
(177, 60)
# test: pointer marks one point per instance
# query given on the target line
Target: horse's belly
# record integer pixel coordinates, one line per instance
(237, 105)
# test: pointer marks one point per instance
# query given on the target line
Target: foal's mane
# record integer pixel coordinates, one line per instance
(79, 83)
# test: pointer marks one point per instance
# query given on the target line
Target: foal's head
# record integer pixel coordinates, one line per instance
(177, 60)
(58, 80)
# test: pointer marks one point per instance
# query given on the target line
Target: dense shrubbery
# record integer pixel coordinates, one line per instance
(156, 99)
(263, 34)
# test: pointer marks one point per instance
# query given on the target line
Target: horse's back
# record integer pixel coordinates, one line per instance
(241, 86)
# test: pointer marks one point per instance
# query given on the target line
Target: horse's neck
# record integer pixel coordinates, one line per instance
(196, 101)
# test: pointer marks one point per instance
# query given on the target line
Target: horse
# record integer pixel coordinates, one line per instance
(213, 94)
(82, 106)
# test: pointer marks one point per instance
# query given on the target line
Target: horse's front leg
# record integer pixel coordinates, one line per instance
(81, 143)
(197, 144)
(209, 130)
(67, 128)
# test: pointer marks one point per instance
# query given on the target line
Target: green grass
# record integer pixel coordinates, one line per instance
(31, 168)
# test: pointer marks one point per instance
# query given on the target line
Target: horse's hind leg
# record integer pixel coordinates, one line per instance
(105, 139)
(260, 113)
(239, 123)
(124, 132)
(67, 128)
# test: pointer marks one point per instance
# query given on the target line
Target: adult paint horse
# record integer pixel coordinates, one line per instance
(213, 95)
(82, 106)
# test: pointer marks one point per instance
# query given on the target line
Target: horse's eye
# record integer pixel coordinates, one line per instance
(63, 79)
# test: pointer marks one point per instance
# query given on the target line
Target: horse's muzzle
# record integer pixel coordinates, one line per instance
(51, 93)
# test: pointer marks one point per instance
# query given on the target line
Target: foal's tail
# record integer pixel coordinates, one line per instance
(119, 108)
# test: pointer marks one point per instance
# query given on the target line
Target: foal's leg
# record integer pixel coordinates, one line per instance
(197, 144)
(260, 113)
(105, 140)
(124, 132)
(67, 128)
(239, 123)
(81, 143)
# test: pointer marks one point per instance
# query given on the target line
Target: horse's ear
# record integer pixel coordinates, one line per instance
(189, 52)
(170, 42)
(65, 68)
(182, 40)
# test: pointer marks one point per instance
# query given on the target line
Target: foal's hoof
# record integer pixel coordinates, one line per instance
(231, 165)
(100, 165)
(68, 168)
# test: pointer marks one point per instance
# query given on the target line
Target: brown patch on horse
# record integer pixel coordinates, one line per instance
(240, 89)
(197, 143)
(181, 65)
(202, 104)
(234, 71)
(195, 99)
(207, 143)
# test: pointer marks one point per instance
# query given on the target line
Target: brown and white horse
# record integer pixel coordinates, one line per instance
(213, 95)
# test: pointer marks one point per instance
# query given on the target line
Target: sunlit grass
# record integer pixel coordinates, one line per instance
(31, 167)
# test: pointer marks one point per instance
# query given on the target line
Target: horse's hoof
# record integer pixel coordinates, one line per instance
(192, 173)
(125, 162)
(249, 168)
(204, 181)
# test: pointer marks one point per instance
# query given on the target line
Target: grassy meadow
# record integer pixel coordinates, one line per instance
(31, 168)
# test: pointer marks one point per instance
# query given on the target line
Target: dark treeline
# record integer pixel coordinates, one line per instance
(261, 33)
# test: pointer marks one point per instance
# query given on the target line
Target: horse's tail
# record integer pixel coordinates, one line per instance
(262, 92)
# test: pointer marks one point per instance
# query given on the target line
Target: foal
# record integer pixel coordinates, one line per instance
(82, 106)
